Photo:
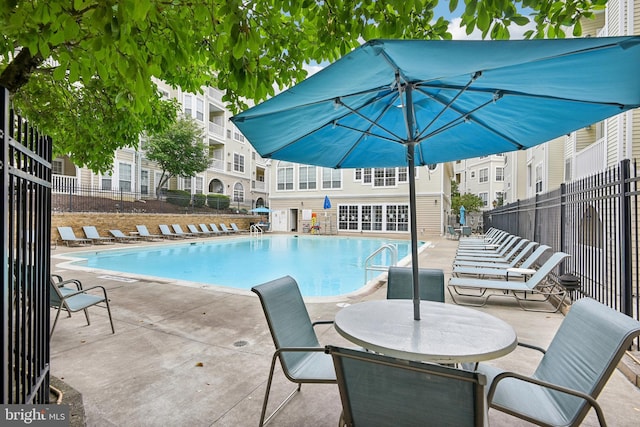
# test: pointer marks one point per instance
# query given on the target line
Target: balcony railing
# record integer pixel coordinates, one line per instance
(64, 184)
(216, 129)
(258, 185)
(591, 160)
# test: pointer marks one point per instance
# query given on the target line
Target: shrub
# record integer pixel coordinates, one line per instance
(199, 200)
(218, 201)
(179, 197)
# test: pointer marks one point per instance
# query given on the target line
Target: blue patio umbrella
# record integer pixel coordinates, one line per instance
(462, 218)
(409, 103)
(327, 203)
(261, 209)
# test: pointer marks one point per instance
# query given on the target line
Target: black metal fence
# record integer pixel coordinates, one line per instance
(25, 163)
(595, 220)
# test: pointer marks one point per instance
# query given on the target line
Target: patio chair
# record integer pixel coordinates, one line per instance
(498, 270)
(494, 238)
(194, 230)
(167, 233)
(178, 230)
(400, 283)
(143, 232)
(498, 252)
(302, 358)
(498, 263)
(536, 286)
(206, 230)
(451, 232)
(572, 372)
(69, 238)
(225, 229)
(92, 233)
(481, 256)
(465, 231)
(63, 297)
(215, 229)
(235, 228)
(123, 238)
(378, 390)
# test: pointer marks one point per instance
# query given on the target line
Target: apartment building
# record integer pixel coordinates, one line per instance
(236, 170)
(363, 200)
(482, 176)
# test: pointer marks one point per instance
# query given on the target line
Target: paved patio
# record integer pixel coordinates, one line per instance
(199, 356)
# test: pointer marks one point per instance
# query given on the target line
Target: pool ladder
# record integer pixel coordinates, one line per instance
(393, 252)
(255, 231)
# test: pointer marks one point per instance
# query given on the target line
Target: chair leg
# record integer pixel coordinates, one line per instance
(55, 321)
(86, 314)
(263, 420)
(106, 300)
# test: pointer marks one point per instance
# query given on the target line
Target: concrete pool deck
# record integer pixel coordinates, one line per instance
(189, 356)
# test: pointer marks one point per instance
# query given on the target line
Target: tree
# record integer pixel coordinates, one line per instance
(84, 70)
(471, 202)
(179, 151)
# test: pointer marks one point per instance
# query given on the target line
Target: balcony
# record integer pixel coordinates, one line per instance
(216, 130)
(64, 184)
(591, 160)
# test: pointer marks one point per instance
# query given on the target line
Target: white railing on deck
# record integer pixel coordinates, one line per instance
(258, 185)
(64, 184)
(591, 160)
(217, 164)
(216, 129)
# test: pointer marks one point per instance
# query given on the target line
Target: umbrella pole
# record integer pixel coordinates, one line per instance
(414, 231)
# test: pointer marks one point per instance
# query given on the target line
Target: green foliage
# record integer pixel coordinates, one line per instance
(178, 197)
(179, 150)
(199, 200)
(92, 63)
(218, 201)
(471, 202)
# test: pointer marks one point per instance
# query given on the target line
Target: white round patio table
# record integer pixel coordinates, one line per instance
(446, 333)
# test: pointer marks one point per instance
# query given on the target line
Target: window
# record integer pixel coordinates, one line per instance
(483, 175)
(188, 105)
(284, 176)
(307, 177)
(348, 217)
(144, 182)
(105, 181)
(238, 192)
(199, 184)
(398, 218)
(499, 174)
(473, 174)
(357, 174)
(200, 109)
(331, 178)
(366, 176)
(485, 198)
(238, 162)
(372, 218)
(384, 177)
(57, 167)
(124, 176)
(403, 174)
(539, 178)
(186, 183)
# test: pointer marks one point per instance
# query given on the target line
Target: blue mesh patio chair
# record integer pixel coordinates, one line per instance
(302, 358)
(400, 283)
(382, 391)
(572, 372)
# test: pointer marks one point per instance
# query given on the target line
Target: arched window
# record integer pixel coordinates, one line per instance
(216, 186)
(591, 228)
(238, 192)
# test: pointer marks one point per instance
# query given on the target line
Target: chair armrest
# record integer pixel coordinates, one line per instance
(589, 399)
(531, 346)
(84, 291)
(322, 322)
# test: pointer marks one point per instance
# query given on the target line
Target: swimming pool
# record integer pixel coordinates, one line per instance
(322, 265)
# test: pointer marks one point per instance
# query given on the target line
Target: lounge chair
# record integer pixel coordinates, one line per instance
(573, 370)
(499, 263)
(69, 238)
(144, 233)
(206, 230)
(480, 256)
(400, 283)
(92, 233)
(302, 358)
(123, 238)
(167, 233)
(381, 391)
(63, 297)
(178, 230)
(498, 269)
(498, 251)
(194, 231)
(522, 291)
(492, 239)
(235, 228)
(215, 229)
(225, 229)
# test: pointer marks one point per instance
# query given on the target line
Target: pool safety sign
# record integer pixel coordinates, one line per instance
(34, 415)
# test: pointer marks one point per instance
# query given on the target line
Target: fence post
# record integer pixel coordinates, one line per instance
(626, 276)
(563, 215)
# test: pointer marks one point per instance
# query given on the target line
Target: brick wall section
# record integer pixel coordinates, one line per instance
(127, 222)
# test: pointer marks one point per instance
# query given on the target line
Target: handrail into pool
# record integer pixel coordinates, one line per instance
(255, 231)
(393, 250)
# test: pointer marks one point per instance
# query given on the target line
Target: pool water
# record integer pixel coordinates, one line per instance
(322, 265)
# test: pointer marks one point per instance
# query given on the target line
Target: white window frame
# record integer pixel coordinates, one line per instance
(199, 185)
(284, 176)
(485, 198)
(144, 182)
(200, 109)
(499, 174)
(238, 192)
(307, 177)
(187, 104)
(483, 175)
(334, 181)
(238, 162)
(106, 181)
(57, 167)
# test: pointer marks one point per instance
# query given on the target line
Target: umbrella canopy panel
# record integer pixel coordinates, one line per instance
(469, 99)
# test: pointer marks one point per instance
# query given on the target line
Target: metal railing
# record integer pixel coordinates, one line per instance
(391, 249)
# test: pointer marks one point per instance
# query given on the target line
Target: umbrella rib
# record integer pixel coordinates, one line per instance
(367, 119)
